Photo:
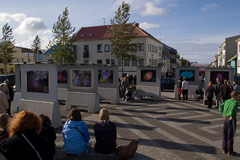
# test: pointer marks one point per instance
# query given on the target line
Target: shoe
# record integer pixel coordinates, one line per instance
(232, 153)
(225, 152)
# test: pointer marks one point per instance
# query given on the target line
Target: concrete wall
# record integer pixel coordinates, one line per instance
(115, 76)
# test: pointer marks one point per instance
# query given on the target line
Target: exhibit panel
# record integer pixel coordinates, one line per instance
(63, 80)
(148, 82)
(39, 82)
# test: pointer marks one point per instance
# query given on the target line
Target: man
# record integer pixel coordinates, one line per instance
(3, 98)
(185, 89)
(229, 111)
(236, 87)
(225, 91)
(217, 92)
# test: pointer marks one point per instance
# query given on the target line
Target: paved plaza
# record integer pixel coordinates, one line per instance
(170, 129)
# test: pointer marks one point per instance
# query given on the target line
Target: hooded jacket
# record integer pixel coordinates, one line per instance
(74, 141)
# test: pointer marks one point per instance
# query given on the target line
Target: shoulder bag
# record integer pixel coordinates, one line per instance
(127, 151)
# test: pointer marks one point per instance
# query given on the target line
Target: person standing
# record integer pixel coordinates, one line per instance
(3, 98)
(225, 91)
(229, 111)
(179, 85)
(105, 133)
(185, 89)
(236, 87)
(218, 92)
(10, 95)
(209, 94)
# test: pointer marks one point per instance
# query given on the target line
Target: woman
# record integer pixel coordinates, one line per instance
(105, 133)
(4, 118)
(179, 85)
(48, 131)
(75, 134)
(209, 94)
(24, 141)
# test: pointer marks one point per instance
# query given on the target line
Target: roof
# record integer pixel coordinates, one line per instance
(100, 32)
(233, 58)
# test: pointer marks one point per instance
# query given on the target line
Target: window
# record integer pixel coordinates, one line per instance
(149, 48)
(134, 46)
(126, 62)
(141, 46)
(99, 61)
(86, 51)
(134, 62)
(160, 48)
(99, 48)
(86, 61)
(107, 61)
(11, 70)
(141, 62)
(107, 48)
(2, 70)
(150, 62)
(113, 61)
(119, 62)
(19, 59)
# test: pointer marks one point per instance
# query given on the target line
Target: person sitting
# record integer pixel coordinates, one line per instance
(75, 134)
(4, 118)
(105, 133)
(24, 141)
(48, 131)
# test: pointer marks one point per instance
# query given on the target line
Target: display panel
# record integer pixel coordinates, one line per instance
(62, 76)
(81, 78)
(148, 75)
(105, 76)
(38, 81)
(221, 75)
(188, 74)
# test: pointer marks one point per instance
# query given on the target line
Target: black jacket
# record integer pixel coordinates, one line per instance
(225, 91)
(106, 135)
(16, 147)
(209, 92)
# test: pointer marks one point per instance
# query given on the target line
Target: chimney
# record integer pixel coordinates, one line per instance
(137, 24)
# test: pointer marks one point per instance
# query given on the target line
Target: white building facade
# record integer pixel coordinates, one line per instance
(238, 55)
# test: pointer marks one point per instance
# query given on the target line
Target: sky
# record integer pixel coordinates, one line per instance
(195, 28)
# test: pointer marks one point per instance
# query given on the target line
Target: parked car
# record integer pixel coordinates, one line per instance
(10, 77)
(167, 83)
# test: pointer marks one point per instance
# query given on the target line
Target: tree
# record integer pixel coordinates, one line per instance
(122, 34)
(6, 46)
(36, 46)
(61, 46)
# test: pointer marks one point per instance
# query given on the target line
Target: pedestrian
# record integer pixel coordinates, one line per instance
(105, 133)
(185, 89)
(24, 141)
(236, 87)
(230, 86)
(179, 85)
(218, 92)
(225, 91)
(10, 95)
(75, 134)
(3, 98)
(47, 131)
(229, 111)
(4, 118)
(209, 93)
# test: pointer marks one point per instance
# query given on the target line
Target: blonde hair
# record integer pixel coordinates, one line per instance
(104, 114)
(210, 82)
(24, 120)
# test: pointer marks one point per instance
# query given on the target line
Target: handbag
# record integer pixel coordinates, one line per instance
(127, 151)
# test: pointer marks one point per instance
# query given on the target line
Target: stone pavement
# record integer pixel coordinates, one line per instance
(170, 129)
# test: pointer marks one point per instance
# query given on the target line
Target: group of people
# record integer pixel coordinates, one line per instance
(31, 136)
(221, 91)
(6, 97)
(182, 85)
(127, 87)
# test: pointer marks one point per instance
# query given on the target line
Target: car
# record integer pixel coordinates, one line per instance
(10, 77)
(167, 83)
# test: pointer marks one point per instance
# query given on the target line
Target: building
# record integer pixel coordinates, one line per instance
(94, 46)
(20, 55)
(227, 50)
(238, 55)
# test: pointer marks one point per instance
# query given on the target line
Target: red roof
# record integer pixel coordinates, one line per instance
(100, 32)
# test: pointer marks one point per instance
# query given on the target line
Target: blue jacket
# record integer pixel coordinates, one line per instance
(74, 142)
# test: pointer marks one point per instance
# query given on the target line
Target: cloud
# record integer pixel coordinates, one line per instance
(210, 7)
(147, 26)
(6, 18)
(152, 10)
(31, 25)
